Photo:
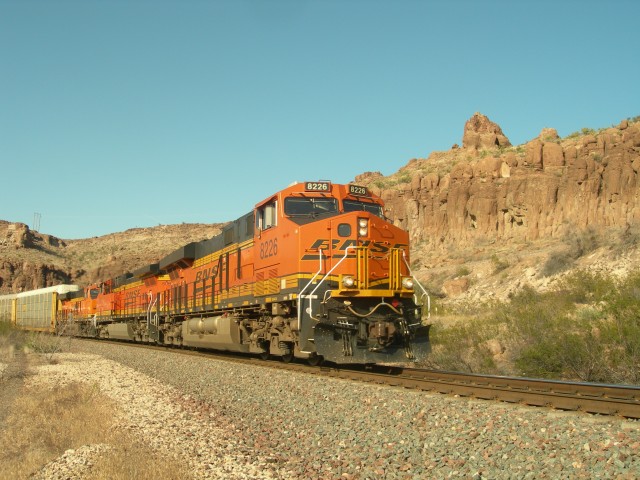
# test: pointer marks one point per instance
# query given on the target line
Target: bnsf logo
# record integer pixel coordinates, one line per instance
(325, 244)
(207, 273)
(131, 298)
(131, 294)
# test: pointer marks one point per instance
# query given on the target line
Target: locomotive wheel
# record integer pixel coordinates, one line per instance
(287, 357)
(264, 355)
(314, 360)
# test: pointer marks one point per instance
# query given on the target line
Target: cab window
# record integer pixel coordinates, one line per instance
(266, 216)
(309, 206)
(356, 206)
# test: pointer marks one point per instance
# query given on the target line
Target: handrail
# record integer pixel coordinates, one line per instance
(424, 291)
(346, 253)
(302, 296)
(149, 307)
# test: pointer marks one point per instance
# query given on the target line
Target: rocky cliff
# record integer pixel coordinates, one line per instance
(490, 205)
(488, 190)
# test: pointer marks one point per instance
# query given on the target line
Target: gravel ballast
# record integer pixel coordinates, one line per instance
(228, 420)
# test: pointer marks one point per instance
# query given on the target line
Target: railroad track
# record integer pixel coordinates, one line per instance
(620, 400)
(593, 398)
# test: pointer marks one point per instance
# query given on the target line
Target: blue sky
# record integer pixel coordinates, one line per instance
(118, 114)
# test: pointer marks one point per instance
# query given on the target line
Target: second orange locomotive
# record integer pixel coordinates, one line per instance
(314, 271)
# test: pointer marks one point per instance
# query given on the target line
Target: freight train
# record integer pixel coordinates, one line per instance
(313, 272)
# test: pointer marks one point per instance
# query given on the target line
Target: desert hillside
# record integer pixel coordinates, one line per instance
(485, 218)
(30, 259)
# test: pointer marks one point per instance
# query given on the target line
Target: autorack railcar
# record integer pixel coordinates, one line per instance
(36, 310)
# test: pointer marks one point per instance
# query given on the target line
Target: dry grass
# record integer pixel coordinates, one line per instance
(45, 422)
(127, 461)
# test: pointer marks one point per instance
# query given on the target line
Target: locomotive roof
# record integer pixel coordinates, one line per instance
(339, 190)
(239, 230)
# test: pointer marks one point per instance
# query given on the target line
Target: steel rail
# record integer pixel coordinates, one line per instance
(605, 399)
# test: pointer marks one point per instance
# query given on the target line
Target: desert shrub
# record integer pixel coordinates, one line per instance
(583, 242)
(461, 347)
(48, 345)
(530, 313)
(539, 361)
(621, 340)
(461, 271)
(538, 326)
(5, 329)
(629, 238)
(569, 350)
(9, 335)
(583, 286)
(557, 262)
(588, 330)
(552, 338)
(404, 177)
(577, 244)
(499, 264)
(621, 333)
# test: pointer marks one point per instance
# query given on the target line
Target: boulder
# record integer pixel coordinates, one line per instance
(456, 286)
(480, 132)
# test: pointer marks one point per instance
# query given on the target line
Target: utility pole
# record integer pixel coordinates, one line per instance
(36, 221)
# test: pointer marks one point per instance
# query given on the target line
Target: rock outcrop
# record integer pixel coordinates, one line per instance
(23, 259)
(542, 189)
(24, 276)
(29, 259)
(16, 235)
(480, 132)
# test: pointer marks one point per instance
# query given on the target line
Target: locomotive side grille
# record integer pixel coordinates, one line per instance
(269, 285)
(259, 284)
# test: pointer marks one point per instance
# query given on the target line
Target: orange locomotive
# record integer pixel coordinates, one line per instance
(314, 271)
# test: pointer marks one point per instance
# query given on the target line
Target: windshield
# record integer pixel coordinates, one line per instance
(356, 206)
(309, 205)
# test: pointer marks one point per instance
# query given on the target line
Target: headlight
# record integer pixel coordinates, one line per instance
(363, 227)
(348, 281)
(407, 283)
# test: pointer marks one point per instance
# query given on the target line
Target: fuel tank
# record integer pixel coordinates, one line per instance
(220, 333)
